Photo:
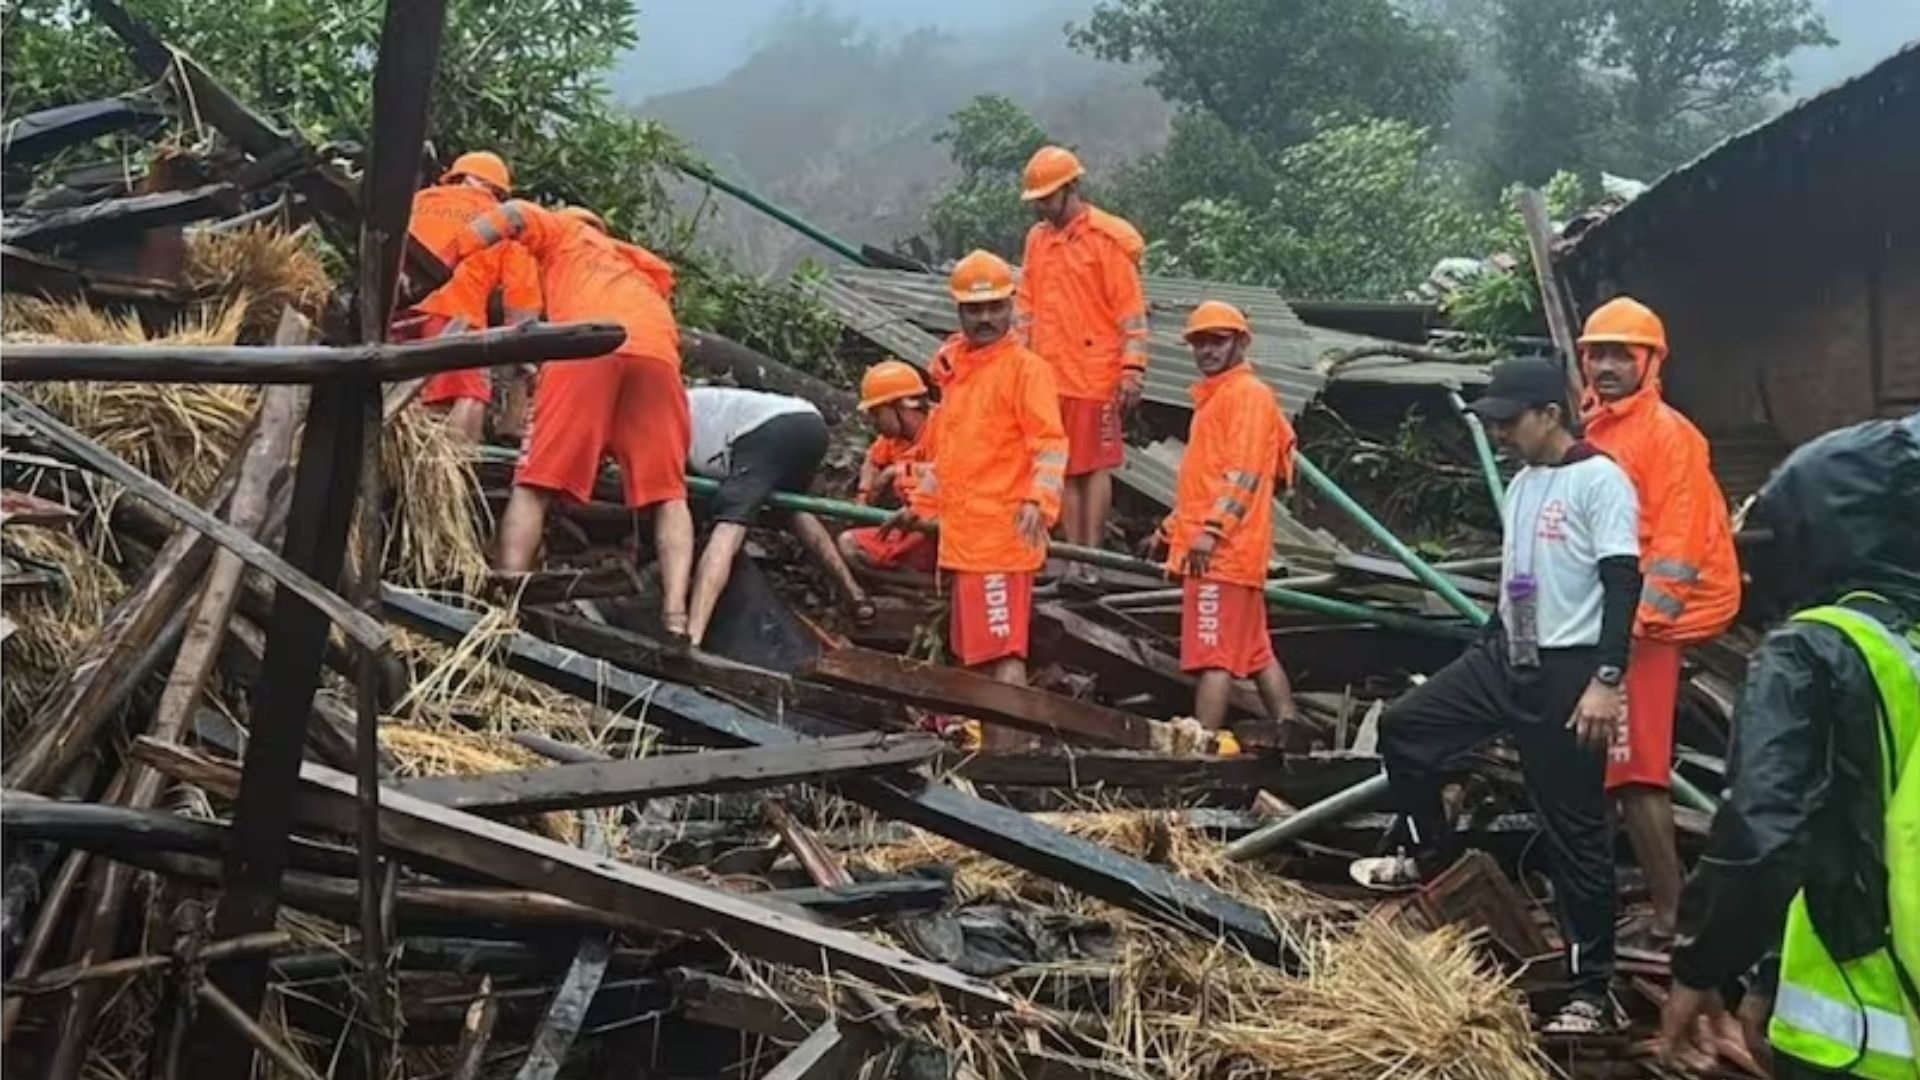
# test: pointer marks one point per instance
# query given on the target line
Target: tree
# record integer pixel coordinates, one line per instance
(1362, 210)
(1639, 86)
(1268, 68)
(1203, 159)
(990, 139)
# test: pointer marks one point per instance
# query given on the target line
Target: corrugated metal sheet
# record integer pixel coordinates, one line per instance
(1389, 371)
(884, 326)
(1153, 471)
(1286, 351)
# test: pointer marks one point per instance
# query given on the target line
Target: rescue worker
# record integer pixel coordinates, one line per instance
(1820, 831)
(896, 397)
(1691, 589)
(1239, 452)
(475, 184)
(629, 403)
(1547, 673)
(755, 444)
(993, 474)
(1081, 307)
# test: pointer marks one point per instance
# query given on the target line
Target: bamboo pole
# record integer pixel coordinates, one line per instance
(775, 211)
(1482, 449)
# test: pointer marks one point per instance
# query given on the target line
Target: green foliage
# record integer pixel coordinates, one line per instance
(1637, 86)
(1361, 210)
(1499, 305)
(1269, 68)
(779, 319)
(1203, 159)
(990, 140)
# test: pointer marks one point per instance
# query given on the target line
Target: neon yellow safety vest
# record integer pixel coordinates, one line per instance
(1862, 1017)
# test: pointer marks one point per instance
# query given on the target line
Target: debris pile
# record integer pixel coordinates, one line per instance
(288, 777)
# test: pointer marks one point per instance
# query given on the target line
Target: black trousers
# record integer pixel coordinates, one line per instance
(1468, 703)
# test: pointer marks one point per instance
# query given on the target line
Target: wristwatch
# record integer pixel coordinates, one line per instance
(1609, 675)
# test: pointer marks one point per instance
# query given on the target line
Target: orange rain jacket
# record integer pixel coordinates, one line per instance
(1239, 448)
(995, 442)
(1080, 302)
(440, 215)
(888, 451)
(588, 277)
(1692, 576)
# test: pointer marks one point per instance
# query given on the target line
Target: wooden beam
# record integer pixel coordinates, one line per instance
(758, 371)
(613, 783)
(707, 998)
(1136, 659)
(832, 1051)
(165, 363)
(1145, 889)
(133, 213)
(568, 1009)
(356, 624)
(667, 902)
(936, 686)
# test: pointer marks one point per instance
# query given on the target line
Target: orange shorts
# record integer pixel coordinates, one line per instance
(1642, 750)
(1093, 435)
(1223, 627)
(471, 384)
(991, 616)
(631, 408)
(908, 550)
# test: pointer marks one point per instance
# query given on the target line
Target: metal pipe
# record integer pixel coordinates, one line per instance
(773, 210)
(1428, 575)
(1113, 560)
(1325, 812)
(1483, 449)
(1686, 794)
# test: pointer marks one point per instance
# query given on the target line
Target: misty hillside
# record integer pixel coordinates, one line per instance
(841, 126)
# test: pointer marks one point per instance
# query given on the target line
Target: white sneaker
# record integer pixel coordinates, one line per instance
(1386, 873)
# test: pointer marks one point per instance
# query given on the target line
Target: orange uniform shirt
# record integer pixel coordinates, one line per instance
(587, 277)
(886, 452)
(1239, 448)
(440, 215)
(995, 442)
(1081, 304)
(1691, 587)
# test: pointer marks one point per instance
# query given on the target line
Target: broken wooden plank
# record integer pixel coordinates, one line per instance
(861, 899)
(612, 783)
(1136, 656)
(713, 999)
(833, 1050)
(667, 902)
(555, 1035)
(1006, 834)
(60, 362)
(476, 1031)
(133, 213)
(936, 686)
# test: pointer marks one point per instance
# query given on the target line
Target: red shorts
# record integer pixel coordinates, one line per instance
(471, 384)
(909, 550)
(631, 408)
(991, 615)
(1093, 435)
(1223, 627)
(1642, 750)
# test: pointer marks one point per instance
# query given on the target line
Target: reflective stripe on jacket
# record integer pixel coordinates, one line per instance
(1239, 449)
(440, 215)
(1691, 588)
(995, 441)
(1080, 303)
(587, 277)
(1860, 1015)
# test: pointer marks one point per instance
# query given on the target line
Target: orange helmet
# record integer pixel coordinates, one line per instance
(889, 381)
(1628, 322)
(1215, 315)
(484, 166)
(979, 278)
(1048, 170)
(584, 216)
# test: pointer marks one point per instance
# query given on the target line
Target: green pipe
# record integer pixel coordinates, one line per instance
(1686, 794)
(1483, 449)
(1112, 560)
(778, 213)
(1427, 574)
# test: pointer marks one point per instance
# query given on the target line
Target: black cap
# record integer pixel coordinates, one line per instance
(1519, 385)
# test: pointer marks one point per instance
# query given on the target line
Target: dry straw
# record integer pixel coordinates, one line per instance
(54, 623)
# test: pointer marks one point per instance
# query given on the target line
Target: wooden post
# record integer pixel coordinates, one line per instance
(1533, 211)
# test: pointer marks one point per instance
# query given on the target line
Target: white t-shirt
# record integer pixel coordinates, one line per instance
(721, 414)
(1560, 521)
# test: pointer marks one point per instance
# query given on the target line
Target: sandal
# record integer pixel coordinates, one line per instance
(1581, 1016)
(1386, 873)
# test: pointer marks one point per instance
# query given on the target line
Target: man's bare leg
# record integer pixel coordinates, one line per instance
(522, 526)
(1210, 696)
(1096, 501)
(673, 544)
(1647, 813)
(710, 578)
(1276, 691)
(1073, 496)
(819, 543)
(998, 738)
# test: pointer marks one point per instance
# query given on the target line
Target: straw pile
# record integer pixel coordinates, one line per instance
(262, 268)
(54, 624)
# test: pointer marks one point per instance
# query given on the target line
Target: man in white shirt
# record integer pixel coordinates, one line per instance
(1547, 674)
(755, 443)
